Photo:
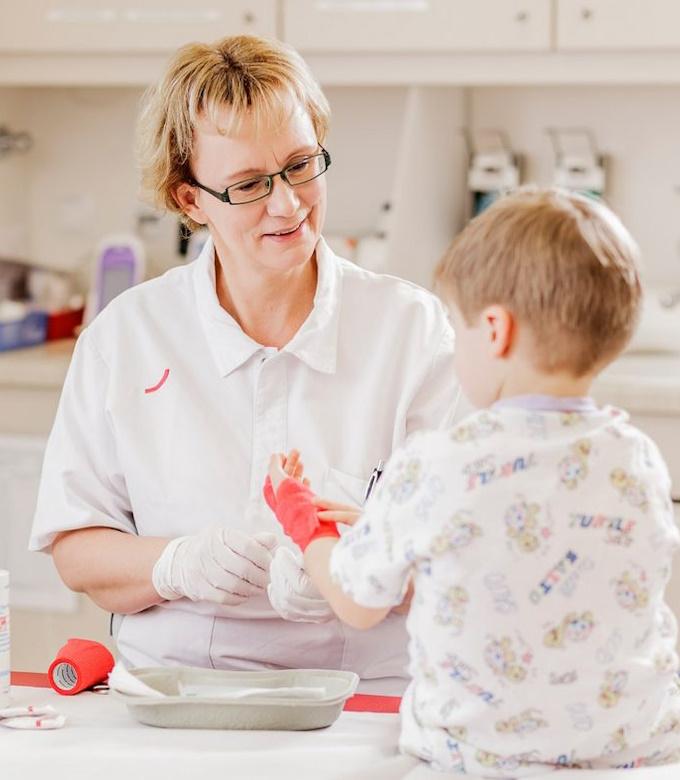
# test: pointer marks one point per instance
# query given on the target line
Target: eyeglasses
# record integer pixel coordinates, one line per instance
(299, 172)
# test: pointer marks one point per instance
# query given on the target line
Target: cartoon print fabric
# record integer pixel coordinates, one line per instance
(540, 544)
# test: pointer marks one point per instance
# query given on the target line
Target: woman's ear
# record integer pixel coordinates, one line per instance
(185, 196)
(500, 329)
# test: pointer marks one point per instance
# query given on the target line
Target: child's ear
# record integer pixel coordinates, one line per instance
(500, 329)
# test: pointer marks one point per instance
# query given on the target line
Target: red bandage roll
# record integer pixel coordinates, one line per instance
(80, 664)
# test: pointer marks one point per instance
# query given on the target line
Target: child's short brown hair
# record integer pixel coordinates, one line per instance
(562, 263)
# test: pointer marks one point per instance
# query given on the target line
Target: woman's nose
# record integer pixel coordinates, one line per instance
(283, 201)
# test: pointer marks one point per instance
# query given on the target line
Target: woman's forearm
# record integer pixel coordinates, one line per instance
(112, 567)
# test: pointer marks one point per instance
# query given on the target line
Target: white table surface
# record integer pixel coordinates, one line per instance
(101, 741)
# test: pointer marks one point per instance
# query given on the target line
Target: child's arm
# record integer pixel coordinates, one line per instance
(296, 511)
(383, 585)
(317, 563)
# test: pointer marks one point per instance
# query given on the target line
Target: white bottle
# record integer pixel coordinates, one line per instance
(4, 638)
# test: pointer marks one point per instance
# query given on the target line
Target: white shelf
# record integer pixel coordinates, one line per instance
(137, 70)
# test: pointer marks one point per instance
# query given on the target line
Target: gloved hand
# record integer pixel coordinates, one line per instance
(219, 564)
(292, 593)
(293, 505)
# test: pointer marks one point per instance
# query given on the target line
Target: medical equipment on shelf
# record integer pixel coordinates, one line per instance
(578, 164)
(191, 242)
(11, 142)
(21, 326)
(119, 264)
(80, 664)
(371, 250)
(670, 300)
(4, 637)
(492, 167)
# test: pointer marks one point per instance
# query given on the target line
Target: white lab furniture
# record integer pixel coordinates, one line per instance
(41, 605)
(35, 583)
(101, 740)
(647, 386)
(124, 42)
(75, 27)
(617, 25)
(417, 26)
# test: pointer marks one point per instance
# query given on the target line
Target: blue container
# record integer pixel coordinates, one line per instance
(28, 332)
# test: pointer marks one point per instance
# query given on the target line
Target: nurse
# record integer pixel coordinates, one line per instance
(150, 500)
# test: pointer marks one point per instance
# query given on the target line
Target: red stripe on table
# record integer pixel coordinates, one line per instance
(360, 702)
(366, 702)
(30, 679)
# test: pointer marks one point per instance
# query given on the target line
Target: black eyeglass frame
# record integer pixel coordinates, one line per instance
(224, 196)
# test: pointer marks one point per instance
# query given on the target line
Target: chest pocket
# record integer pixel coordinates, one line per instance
(342, 487)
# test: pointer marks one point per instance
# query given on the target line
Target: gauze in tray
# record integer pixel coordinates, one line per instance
(233, 692)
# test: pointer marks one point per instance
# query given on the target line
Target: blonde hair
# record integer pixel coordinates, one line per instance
(252, 76)
(562, 263)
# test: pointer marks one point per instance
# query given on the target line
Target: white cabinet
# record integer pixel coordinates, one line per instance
(35, 583)
(417, 25)
(107, 26)
(610, 25)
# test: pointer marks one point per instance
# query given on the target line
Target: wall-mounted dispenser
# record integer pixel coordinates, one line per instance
(492, 167)
(578, 164)
(13, 142)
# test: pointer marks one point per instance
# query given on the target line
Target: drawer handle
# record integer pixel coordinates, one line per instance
(521, 16)
(587, 14)
(249, 18)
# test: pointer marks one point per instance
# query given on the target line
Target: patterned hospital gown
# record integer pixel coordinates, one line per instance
(540, 544)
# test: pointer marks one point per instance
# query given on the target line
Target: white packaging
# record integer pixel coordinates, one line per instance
(4, 638)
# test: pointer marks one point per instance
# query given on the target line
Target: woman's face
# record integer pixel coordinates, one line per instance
(258, 234)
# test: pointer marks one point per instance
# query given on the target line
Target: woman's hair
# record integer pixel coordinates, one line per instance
(562, 263)
(253, 77)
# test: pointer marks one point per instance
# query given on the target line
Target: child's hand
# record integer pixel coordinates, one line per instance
(286, 466)
(335, 512)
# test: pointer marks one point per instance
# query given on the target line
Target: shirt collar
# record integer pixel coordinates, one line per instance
(315, 343)
(548, 403)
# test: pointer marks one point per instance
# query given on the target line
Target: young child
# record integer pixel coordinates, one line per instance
(538, 532)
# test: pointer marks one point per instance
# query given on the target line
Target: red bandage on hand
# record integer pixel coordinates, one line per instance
(292, 504)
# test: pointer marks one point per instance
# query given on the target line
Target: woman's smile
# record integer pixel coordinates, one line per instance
(287, 234)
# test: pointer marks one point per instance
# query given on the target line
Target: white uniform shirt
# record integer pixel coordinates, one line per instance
(540, 544)
(170, 412)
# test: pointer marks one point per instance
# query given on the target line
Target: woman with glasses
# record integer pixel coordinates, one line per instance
(179, 391)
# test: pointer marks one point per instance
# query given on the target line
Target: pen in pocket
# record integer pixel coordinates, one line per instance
(375, 476)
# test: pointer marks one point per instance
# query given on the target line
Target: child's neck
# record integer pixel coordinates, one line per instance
(532, 382)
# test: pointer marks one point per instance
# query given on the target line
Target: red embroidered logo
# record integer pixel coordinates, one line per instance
(160, 384)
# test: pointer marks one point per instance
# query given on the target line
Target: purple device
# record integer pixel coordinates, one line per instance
(119, 265)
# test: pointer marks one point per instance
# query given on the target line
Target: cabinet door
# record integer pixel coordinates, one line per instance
(618, 24)
(417, 25)
(108, 26)
(34, 582)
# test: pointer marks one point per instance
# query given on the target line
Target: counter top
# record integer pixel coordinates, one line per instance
(41, 366)
(642, 383)
(102, 740)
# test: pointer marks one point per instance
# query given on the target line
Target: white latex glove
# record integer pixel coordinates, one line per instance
(221, 565)
(292, 593)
